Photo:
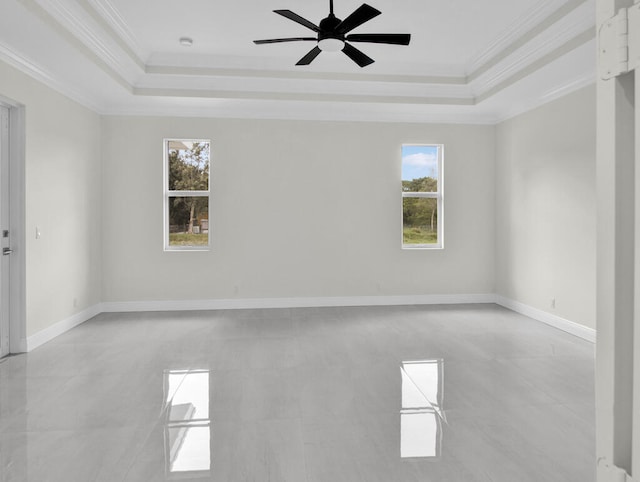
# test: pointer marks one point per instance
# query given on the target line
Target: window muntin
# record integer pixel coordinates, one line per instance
(422, 196)
(186, 194)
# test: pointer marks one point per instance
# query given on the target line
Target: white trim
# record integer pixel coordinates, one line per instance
(532, 57)
(256, 303)
(27, 67)
(540, 14)
(77, 24)
(17, 294)
(63, 326)
(57, 329)
(118, 29)
(563, 324)
(558, 92)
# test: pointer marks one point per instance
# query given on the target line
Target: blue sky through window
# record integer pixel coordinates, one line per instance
(419, 161)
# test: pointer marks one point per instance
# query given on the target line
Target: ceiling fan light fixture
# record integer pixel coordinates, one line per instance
(186, 41)
(333, 34)
(331, 45)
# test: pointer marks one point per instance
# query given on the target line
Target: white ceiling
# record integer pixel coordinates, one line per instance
(469, 61)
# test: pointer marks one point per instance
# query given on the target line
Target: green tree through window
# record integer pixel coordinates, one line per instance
(421, 196)
(187, 193)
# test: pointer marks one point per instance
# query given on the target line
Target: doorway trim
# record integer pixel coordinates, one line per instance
(17, 179)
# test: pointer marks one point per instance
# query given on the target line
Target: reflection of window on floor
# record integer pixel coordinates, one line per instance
(187, 429)
(421, 414)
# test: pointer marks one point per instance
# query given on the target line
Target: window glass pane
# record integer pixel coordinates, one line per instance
(419, 168)
(189, 221)
(188, 166)
(419, 220)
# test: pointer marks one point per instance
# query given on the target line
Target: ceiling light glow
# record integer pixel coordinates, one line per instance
(331, 45)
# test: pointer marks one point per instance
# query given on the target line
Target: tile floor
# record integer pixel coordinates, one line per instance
(391, 394)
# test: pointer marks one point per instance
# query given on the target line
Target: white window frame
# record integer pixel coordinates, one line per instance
(169, 194)
(438, 195)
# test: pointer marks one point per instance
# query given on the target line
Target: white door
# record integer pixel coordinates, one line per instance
(5, 254)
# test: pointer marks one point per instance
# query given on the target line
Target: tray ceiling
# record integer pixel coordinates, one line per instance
(468, 61)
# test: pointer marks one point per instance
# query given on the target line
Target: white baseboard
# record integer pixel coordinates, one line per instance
(61, 327)
(563, 324)
(253, 303)
(57, 329)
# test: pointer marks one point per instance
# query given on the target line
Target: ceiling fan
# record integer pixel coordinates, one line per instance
(333, 34)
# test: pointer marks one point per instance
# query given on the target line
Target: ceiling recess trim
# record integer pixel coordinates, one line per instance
(530, 25)
(281, 74)
(314, 97)
(34, 71)
(106, 15)
(97, 31)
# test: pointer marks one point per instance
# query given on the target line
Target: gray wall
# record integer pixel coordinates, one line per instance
(546, 207)
(63, 162)
(306, 209)
(300, 209)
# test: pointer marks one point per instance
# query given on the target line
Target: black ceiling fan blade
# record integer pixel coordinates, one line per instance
(362, 14)
(357, 56)
(278, 40)
(307, 59)
(381, 38)
(298, 19)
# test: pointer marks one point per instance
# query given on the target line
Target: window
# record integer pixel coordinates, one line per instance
(422, 196)
(186, 194)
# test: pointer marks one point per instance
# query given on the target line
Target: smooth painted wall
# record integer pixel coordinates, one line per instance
(62, 198)
(546, 207)
(299, 209)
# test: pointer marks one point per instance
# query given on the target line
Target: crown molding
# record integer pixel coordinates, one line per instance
(108, 17)
(301, 96)
(80, 27)
(306, 111)
(75, 38)
(557, 92)
(529, 26)
(505, 81)
(34, 71)
(98, 31)
(577, 27)
(288, 74)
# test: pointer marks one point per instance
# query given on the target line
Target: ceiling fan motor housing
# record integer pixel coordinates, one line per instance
(330, 39)
(328, 28)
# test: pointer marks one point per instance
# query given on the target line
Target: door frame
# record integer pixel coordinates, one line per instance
(17, 179)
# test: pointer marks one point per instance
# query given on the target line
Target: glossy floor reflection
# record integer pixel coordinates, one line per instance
(437, 393)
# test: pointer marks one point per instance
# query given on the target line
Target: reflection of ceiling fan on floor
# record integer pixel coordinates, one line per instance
(333, 34)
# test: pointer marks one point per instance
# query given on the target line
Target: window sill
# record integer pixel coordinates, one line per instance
(414, 247)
